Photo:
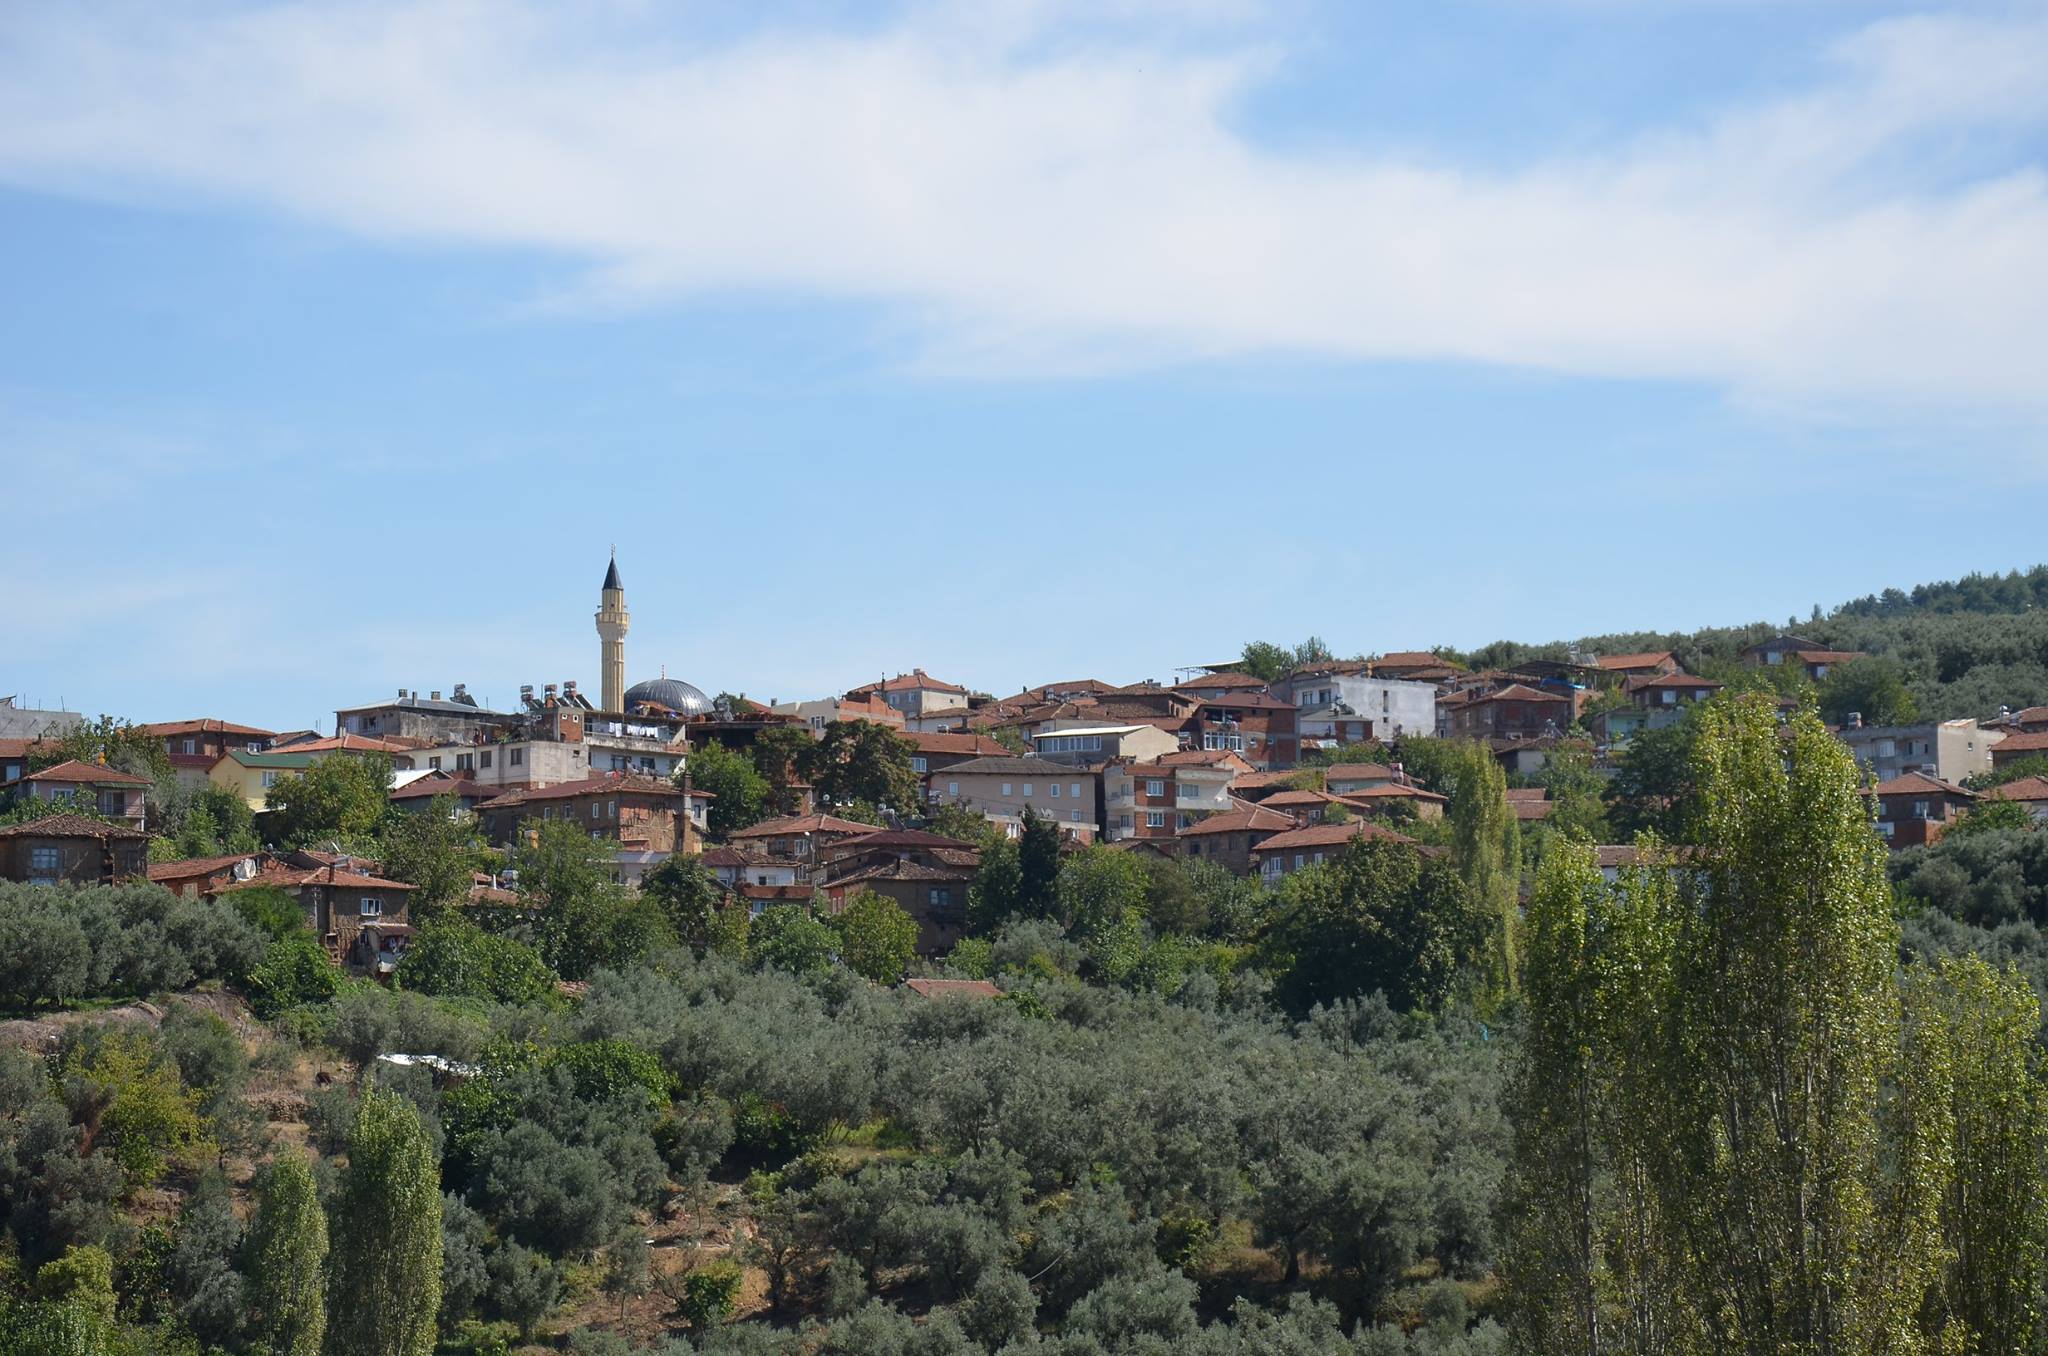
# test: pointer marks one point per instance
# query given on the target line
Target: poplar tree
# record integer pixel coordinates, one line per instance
(1975, 1087)
(286, 1261)
(1553, 1218)
(1486, 844)
(385, 1280)
(1789, 1027)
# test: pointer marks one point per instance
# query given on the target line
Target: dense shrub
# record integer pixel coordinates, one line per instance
(69, 942)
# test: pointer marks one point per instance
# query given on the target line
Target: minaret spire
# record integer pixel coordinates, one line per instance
(612, 625)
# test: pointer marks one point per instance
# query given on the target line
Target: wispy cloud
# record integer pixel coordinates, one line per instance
(1031, 196)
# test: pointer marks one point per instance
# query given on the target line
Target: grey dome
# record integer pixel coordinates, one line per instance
(683, 698)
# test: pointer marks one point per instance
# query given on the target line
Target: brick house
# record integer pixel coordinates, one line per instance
(1262, 729)
(114, 793)
(1298, 849)
(1228, 839)
(1816, 659)
(645, 817)
(1514, 710)
(1915, 809)
(2012, 748)
(798, 839)
(1158, 798)
(194, 746)
(926, 874)
(72, 848)
(915, 694)
(1648, 664)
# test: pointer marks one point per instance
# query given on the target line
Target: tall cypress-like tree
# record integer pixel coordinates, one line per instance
(1975, 1086)
(286, 1261)
(385, 1285)
(1486, 843)
(1552, 1215)
(1779, 1163)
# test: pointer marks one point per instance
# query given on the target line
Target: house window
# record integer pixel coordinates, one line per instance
(1006, 788)
(952, 788)
(1027, 788)
(918, 764)
(465, 762)
(939, 897)
(1155, 819)
(45, 861)
(191, 746)
(1054, 790)
(1187, 790)
(514, 757)
(269, 780)
(1920, 809)
(484, 758)
(434, 763)
(1884, 828)
(1074, 790)
(1155, 787)
(113, 804)
(1187, 821)
(1298, 861)
(1077, 816)
(1123, 821)
(370, 907)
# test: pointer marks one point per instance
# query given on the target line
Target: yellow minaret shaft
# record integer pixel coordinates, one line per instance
(612, 625)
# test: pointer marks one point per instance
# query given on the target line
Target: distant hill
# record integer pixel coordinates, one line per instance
(1965, 647)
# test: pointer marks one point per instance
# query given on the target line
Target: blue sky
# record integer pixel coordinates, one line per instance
(1020, 341)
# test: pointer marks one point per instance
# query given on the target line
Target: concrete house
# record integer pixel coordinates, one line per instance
(1003, 788)
(1948, 750)
(1080, 744)
(1329, 700)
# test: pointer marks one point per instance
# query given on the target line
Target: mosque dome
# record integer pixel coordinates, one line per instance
(685, 699)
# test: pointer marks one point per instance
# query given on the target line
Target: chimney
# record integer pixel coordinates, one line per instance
(434, 695)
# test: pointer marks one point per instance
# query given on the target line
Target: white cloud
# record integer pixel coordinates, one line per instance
(1036, 198)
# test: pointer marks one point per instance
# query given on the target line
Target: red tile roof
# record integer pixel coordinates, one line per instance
(86, 774)
(1250, 819)
(1357, 772)
(951, 741)
(1527, 793)
(1520, 692)
(198, 866)
(165, 728)
(1392, 791)
(601, 785)
(462, 788)
(2024, 788)
(2023, 742)
(69, 826)
(790, 825)
(909, 682)
(355, 743)
(1648, 659)
(1330, 835)
(1299, 797)
(1210, 682)
(292, 877)
(1681, 680)
(1830, 656)
(1919, 784)
(1412, 659)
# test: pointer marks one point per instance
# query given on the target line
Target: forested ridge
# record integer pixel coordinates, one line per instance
(1963, 647)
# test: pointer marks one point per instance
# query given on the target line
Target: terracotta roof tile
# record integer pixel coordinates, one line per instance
(1330, 835)
(86, 774)
(165, 728)
(69, 826)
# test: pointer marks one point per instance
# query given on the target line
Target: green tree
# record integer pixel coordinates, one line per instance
(566, 875)
(1486, 845)
(143, 1114)
(1102, 895)
(1873, 688)
(877, 939)
(993, 895)
(454, 958)
(112, 740)
(689, 898)
(286, 1260)
(861, 761)
(739, 793)
(1652, 787)
(1994, 816)
(779, 752)
(1551, 1208)
(435, 849)
(342, 798)
(1975, 1082)
(1379, 918)
(385, 1278)
(786, 937)
(1038, 866)
(1264, 660)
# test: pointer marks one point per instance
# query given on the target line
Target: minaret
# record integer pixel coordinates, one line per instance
(612, 624)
